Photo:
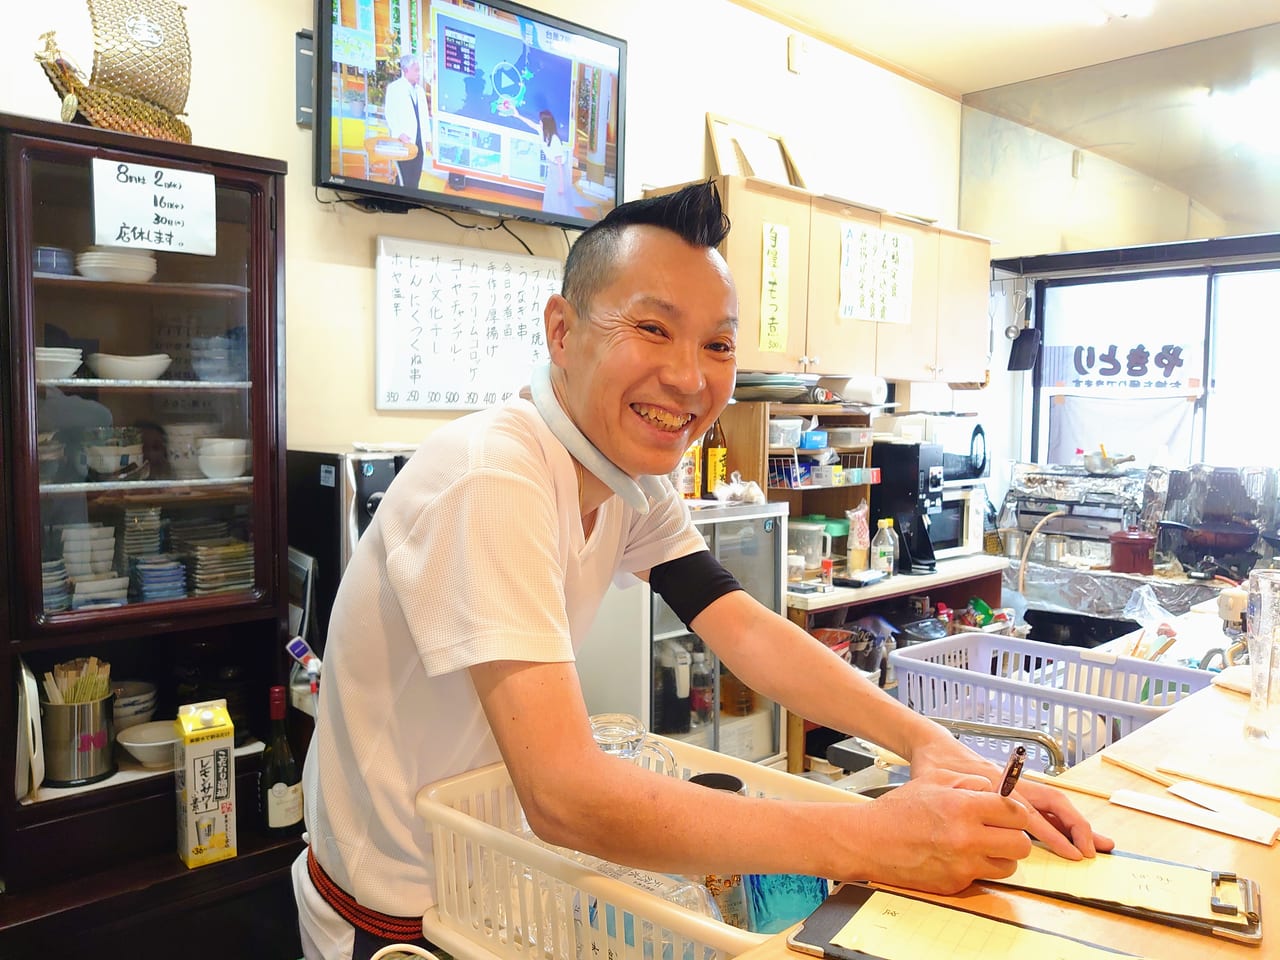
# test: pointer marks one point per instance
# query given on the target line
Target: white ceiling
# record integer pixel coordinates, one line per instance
(1134, 90)
(962, 46)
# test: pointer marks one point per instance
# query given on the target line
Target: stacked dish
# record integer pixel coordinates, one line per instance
(158, 577)
(219, 358)
(135, 703)
(57, 363)
(142, 532)
(220, 566)
(110, 366)
(120, 264)
(114, 453)
(89, 558)
(58, 260)
(100, 590)
(222, 458)
(184, 534)
(49, 450)
(180, 443)
(57, 588)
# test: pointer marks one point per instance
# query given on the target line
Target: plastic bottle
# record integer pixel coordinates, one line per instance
(280, 780)
(728, 889)
(884, 548)
(701, 690)
(714, 453)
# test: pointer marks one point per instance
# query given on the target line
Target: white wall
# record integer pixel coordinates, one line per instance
(854, 129)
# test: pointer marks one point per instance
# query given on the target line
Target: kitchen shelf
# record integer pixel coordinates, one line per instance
(141, 486)
(129, 771)
(89, 383)
(225, 291)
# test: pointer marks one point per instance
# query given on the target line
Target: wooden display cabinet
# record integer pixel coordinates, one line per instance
(746, 428)
(190, 590)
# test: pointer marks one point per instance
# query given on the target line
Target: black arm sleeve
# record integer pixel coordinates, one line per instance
(691, 583)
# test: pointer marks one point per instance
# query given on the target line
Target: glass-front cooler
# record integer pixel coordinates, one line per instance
(693, 696)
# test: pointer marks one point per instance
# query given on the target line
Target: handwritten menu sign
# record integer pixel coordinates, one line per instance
(875, 275)
(457, 328)
(774, 292)
(156, 208)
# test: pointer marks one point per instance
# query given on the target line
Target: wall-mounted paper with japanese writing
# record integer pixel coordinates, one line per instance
(875, 274)
(774, 288)
(155, 208)
(458, 328)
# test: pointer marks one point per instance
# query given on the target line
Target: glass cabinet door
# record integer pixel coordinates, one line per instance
(146, 372)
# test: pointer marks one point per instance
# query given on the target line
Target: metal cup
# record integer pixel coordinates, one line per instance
(77, 742)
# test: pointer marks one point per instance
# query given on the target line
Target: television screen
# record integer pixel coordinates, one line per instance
(490, 107)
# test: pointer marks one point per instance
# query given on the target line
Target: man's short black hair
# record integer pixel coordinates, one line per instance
(693, 213)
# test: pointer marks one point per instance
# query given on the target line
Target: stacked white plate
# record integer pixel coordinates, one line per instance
(120, 264)
(100, 590)
(57, 363)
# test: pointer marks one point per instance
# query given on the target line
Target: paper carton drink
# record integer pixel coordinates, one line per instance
(204, 758)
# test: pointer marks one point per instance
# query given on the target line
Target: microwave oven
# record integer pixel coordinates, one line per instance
(956, 530)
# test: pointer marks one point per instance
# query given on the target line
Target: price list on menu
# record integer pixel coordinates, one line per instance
(457, 328)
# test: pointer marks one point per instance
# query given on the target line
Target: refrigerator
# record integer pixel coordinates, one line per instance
(639, 658)
(333, 493)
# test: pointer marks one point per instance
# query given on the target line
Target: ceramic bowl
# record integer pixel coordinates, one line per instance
(111, 366)
(111, 459)
(222, 446)
(130, 693)
(151, 744)
(222, 468)
(56, 368)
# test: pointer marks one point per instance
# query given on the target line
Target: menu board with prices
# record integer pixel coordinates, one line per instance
(457, 328)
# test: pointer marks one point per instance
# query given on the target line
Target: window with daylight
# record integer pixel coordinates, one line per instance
(1171, 367)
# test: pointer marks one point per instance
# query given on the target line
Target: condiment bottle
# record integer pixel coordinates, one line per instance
(714, 453)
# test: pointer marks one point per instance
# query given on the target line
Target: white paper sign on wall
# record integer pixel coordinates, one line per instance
(458, 328)
(155, 208)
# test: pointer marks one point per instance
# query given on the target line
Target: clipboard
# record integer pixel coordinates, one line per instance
(1247, 918)
(814, 936)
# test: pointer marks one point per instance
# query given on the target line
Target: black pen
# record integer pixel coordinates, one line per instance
(1013, 770)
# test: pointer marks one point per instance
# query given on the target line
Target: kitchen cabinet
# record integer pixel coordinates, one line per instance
(947, 337)
(754, 206)
(949, 333)
(142, 508)
(638, 657)
(834, 344)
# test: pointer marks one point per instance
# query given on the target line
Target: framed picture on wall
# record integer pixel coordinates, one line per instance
(742, 150)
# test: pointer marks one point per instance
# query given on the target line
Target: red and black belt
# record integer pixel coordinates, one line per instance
(370, 921)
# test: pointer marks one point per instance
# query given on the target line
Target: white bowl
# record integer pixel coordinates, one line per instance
(222, 468)
(109, 459)
(56, 368)
(151, 744)
(131, 692)
(112, 367)
(133, 720)
(222, 446)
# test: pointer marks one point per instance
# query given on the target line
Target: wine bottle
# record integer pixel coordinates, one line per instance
(280, 782)
(714, 451)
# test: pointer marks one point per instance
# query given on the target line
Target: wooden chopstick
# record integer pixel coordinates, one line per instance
(1065, 784)
(1139, 769)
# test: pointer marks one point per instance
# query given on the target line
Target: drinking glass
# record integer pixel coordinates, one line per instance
(625, 736)
(1262, 725)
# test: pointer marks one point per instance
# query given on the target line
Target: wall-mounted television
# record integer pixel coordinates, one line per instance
(489, 107)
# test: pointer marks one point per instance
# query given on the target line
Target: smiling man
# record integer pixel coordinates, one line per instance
(453, 635)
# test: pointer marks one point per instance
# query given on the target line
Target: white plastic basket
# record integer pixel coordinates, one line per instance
(1084, 699)
(499, 894)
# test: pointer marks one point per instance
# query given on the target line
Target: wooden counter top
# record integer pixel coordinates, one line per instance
(1204, 721)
